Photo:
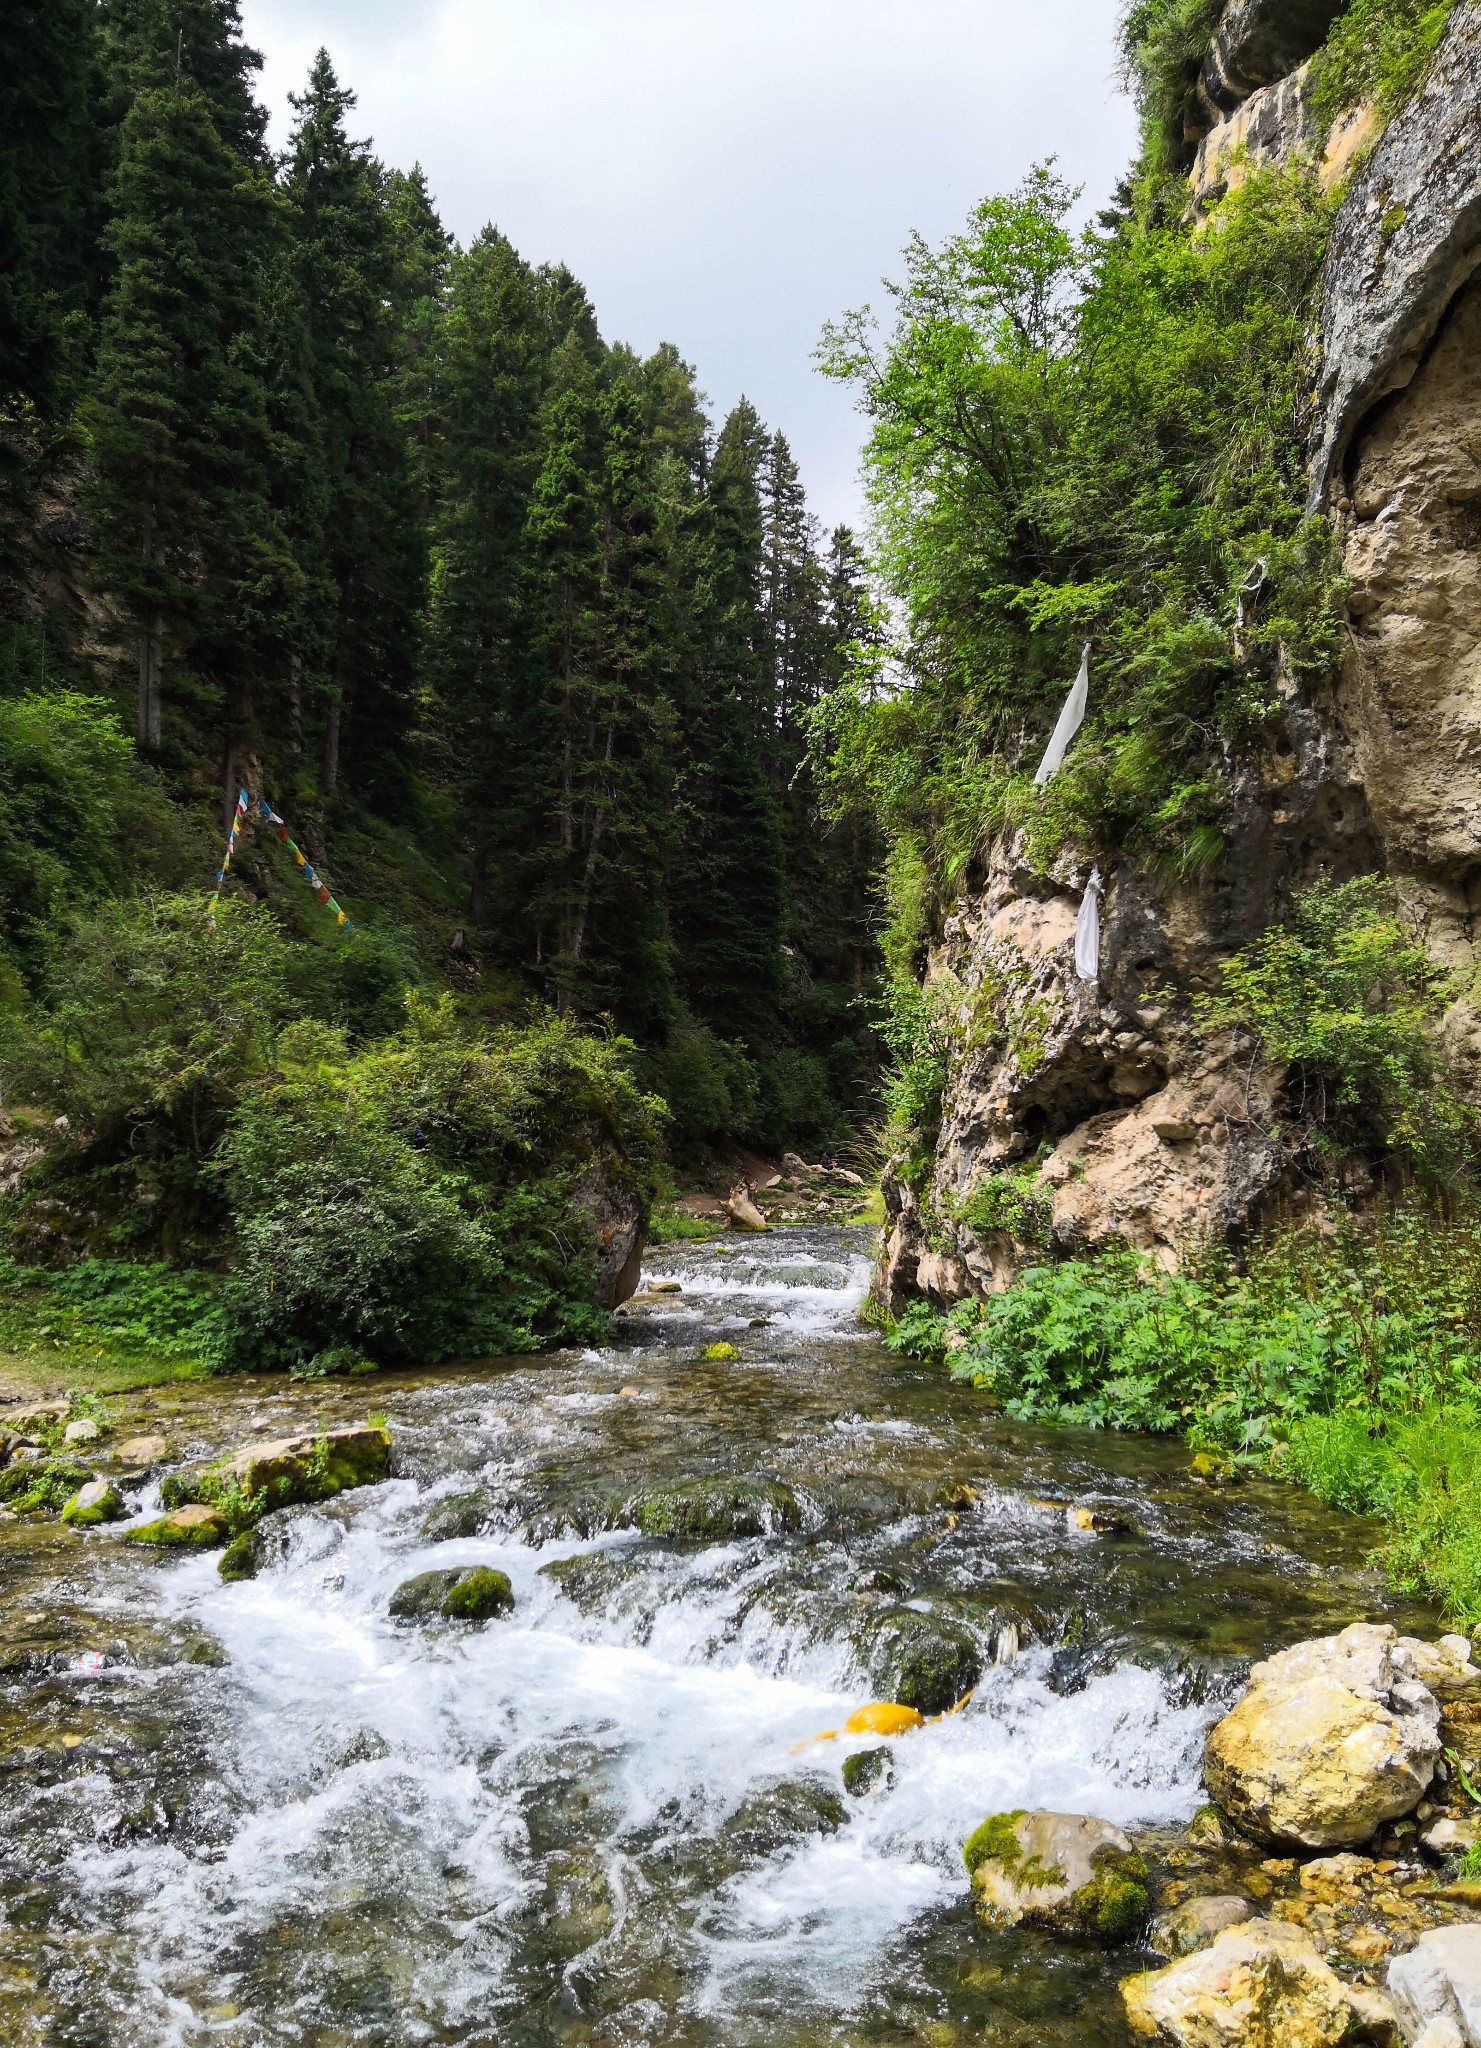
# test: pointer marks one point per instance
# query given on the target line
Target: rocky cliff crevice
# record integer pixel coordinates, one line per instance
(1079, 1114)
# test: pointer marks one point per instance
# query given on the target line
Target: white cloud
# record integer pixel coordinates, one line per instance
(724, 174)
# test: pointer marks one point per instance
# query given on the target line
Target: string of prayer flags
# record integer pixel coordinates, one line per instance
(303, 861)
(231, 846)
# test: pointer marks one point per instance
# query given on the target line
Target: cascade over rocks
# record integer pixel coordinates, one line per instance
(1332, 1739)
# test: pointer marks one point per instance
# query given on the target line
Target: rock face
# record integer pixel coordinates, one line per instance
(1079, 1114)
(1065, 1871)
(1437, 1987)
(616, 1221)
(1260, 1982)
(1333, 1738)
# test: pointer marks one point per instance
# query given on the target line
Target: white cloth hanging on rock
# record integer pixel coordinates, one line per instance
(1070, 721)
(1087, 930)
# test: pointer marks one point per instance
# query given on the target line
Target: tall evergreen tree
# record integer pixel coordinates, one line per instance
(150, 43)
(188, 540)
(375, 541)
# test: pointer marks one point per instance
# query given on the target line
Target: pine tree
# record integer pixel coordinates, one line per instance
(188, 540)
(153, 43)
(375, 541)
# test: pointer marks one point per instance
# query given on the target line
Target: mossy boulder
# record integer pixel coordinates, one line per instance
(242, 1557)
(719, 1353)
(287, 1472)
(925, 1661)
(98, 1501)
(717, 1510)
(867, 1768)
(1065, 1871)
(196, 1526)
(787, 1810)
(43, 1485)
(473, 1593)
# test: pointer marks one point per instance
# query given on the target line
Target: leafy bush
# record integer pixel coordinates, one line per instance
(1348, 1001)
(107, 1303)
(417, 1200)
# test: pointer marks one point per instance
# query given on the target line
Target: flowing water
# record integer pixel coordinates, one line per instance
(273, 1816)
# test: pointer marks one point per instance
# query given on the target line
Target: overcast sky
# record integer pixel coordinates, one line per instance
(722, 174)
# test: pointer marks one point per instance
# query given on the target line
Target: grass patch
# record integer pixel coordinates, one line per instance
(105, 1325)
(677, 1226)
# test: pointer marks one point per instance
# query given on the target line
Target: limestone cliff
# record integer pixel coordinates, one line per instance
(1144, 1133)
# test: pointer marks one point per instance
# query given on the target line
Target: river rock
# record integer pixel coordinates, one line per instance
(83, 1431)
(1066, 1871)
(1261, 1982)
(743, 1212)
(460, 1515)
(1451, 1837)
(867, 1768)
(288, 1471)
(471, 1593)
(1438, 1983)
(1193, 1925)
(1333, 1738)
(717, 1510)
(925, 1661)
(140, 1452)
(1444, 1667)
(96, 1502)
(242, 1557)
(785, 1811)
(196, 1526)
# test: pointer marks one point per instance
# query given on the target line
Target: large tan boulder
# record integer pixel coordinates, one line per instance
(1258, 1983)
(1333, 1738)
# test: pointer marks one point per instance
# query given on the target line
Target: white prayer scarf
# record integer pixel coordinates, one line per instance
(1070, 721)
(1087, 930)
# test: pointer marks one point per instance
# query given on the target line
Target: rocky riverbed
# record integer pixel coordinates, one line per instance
(653, 1694)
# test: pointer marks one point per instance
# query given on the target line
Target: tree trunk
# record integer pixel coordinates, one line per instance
(151, 662)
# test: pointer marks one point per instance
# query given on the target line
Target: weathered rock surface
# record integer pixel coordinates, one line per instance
(1438, 1983)
(1066, 1871)
(615, 1219)
(1333, 1738)
(717, 1510)
(923, 1661)
(470, 1593)
(288, 1471)
(1261, 1982)
(139, 1452)
(83, 1431)
(1258, 42)
(742, 1210)
(1445, 1667)
(1406, 240)
(1194, 1924)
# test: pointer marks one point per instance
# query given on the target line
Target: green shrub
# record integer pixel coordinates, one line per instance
(416, 1200)
(1348, 1001)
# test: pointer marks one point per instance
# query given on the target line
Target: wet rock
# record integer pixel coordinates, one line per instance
(289, 1471)
(1261, 1982)
(139, 1452)
(1194, 1924)
(1065, 1871)
(242, 1557)
(96, 1502)
(786, 1811)
(1333, 1738)
(925, 1661)
(472, 1593)
(867, 1768)
(1438, 1985)
(1445, 1667)
(196, 1526)
(83, 1431)
(717, 1510)
(1451, 1837)
(460, 1515)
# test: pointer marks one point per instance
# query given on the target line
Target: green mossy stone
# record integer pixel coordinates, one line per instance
(925, 1661)
(96, 1502)
(1113, 1906)
(994, 1841)
(473, 1593)
(785, 1811)
(460, 1515)
(194, 1527)
(867, 1768)
(717, 1510)
(242, 1557)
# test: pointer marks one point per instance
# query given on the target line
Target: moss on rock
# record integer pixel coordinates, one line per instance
(867, 1768)
(196, 1526)
(717, 1510)
(242, 1557)
(925, 1661)
(472, 1593)
(1114, 1903)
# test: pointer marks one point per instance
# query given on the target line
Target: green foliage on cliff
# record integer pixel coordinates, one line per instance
(1377, 54)
(1083, 436)
(1348, 1003)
